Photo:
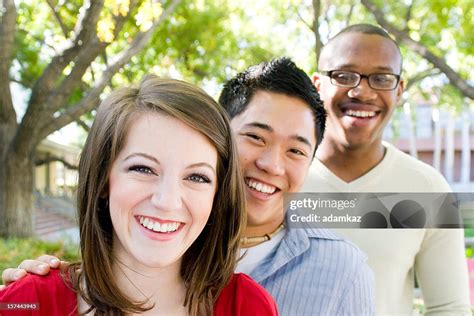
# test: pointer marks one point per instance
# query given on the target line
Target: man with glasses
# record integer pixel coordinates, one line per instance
(350, 79)
(359, 82)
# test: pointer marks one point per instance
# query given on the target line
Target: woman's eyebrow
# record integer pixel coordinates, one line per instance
(140, 154)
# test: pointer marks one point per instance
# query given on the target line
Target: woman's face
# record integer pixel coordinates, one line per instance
(161, 190)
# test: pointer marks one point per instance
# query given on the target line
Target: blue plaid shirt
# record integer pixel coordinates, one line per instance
(315, 272)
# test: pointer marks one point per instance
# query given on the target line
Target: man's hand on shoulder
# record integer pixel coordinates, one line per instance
(39, 266)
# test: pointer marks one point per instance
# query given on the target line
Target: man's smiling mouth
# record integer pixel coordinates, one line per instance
(360, 114)
(260, 187)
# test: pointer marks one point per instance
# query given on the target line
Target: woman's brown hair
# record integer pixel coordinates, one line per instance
(210, 261)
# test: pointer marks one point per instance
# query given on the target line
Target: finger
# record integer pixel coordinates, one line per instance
(11, 275)
(51, 260)
(34, 266)
(64, 265)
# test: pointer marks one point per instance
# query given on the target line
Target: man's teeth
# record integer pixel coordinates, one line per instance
(157, 227)
(258, 186)
(360, 113)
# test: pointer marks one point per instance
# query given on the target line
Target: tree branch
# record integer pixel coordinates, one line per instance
(85, 28)
(90, 47)
(105, 58)
(82, 62)
(49, 159)
(43, 92)
(82, 124)
(402, 36)
(142, 38)
(91, 100)
(420, 76)
(58, 19)
(7, 36)
(326, 19)
(86, 34)
(408, 16)
(349, 15)
(309, 26)
(317, 37)
(22, 83)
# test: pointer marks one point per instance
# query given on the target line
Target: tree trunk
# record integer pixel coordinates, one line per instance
(16, 196)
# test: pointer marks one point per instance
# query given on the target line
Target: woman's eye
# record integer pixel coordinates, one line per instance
(199, 178)
(141, 169)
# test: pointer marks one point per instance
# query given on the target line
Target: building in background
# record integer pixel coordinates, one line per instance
(56, 174)
(438, 137)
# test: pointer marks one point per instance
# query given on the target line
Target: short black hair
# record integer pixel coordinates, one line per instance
(363, 28)
(280, 75)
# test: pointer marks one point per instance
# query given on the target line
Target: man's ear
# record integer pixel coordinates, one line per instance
(317, 81)
(400, 89)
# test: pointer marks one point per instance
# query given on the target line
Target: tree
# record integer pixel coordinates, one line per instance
(66, 54)
(57, 85)
(435, 36)
(447, 14)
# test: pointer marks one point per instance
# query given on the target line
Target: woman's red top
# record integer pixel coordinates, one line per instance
(49, 296)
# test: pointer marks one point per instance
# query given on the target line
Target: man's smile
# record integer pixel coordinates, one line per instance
(260, 186)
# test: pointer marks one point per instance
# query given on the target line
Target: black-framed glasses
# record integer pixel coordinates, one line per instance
(351, 79)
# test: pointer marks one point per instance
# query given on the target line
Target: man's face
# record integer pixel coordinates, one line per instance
(357, 116)
(275, 140)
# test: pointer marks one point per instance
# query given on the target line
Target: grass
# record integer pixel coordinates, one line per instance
(14, 250)
(469, 232)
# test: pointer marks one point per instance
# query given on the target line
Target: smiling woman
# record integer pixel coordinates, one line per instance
(161, 210)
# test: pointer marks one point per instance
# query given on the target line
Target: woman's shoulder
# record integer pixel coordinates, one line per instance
(243, 282)
(244, 296)
(31, 284)
(46, 292)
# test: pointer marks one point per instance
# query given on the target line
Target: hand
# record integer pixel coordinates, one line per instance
(39, 266)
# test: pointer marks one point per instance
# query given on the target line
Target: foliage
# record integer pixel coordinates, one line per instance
(199, 44)
(469, 252)
(207, 42)
(443, 27)
(65, 55)
(14, 250)
(469, 232)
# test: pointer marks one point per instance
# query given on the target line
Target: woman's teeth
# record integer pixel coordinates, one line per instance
(157, 227)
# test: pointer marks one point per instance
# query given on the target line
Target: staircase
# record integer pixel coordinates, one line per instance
(47, 222)
(54, 219)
